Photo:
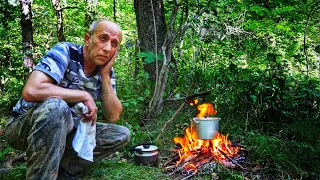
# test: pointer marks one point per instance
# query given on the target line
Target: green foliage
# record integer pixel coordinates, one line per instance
(11, 71)
(258, 58)
(17, 173)
(150, 57)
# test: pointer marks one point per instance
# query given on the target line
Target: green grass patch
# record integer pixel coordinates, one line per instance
(124, 170)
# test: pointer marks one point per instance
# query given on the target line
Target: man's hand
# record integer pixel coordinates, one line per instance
(106, 68)
(92, 111)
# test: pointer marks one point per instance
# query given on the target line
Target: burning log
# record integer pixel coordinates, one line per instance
(202, 161)
(191, 168)
(173, 159)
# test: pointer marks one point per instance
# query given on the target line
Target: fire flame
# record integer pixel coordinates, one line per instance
(216, 149)
(205, 109)
(193, 147)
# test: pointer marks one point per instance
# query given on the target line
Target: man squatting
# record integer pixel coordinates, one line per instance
(42, 122)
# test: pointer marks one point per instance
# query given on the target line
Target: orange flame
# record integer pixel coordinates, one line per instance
(191, 147)
(194, 102)
(205, 109)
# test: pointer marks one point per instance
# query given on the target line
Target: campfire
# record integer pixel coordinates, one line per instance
(194, 155)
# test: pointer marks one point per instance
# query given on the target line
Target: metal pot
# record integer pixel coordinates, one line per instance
(146, 154)
(204, 128)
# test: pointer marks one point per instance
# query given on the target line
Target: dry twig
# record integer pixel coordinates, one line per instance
(166, 124)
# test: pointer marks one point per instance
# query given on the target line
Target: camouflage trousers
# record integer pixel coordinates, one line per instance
(46, 132)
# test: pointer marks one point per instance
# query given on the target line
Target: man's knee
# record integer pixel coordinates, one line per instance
(126, 133)
(55, 105)
(110, 138)
(112, 135)
(54, 110)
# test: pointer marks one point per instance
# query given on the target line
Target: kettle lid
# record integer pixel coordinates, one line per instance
(147, 147)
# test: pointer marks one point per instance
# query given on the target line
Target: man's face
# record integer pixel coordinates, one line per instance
(103, 43)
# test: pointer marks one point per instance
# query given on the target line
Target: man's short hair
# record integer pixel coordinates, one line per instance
(94, 25)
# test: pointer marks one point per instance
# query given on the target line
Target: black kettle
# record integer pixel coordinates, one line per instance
(145, 154)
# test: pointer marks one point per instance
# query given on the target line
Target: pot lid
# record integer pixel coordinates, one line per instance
(206, 118)
(147, 148)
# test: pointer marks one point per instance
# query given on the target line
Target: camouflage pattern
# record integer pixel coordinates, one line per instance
(46, 131)
(41, 132)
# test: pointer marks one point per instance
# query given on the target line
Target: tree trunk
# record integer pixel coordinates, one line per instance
(150, 20)
(90, 13)
(170, 40)
(114, 11)
(57, 8)
(27, 34)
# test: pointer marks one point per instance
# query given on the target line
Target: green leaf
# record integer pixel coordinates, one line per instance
(147, 92)
(160, 57)
(126, 104)
(98, 171)
(260, 11)
(149, 56)
(253, 97)
(149, 59)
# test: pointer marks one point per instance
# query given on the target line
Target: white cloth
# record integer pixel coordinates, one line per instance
(84, 140)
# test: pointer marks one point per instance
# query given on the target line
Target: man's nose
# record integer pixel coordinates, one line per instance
(107, 46)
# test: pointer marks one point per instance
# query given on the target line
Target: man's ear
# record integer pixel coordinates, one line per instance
(87, 38)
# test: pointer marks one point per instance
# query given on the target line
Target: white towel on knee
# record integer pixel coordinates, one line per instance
(84, 140)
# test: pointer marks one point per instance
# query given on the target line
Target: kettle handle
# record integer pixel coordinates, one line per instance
(133, 148)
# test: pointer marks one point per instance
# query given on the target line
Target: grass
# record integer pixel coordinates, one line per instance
(124, 170)
(271, 155)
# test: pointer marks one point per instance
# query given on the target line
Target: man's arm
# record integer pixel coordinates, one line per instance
(111, 105)
(41, 86)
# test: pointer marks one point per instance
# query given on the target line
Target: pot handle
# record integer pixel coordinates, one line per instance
(194, 120)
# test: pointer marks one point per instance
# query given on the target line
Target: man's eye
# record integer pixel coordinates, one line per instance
(102, 38)
(114, 44)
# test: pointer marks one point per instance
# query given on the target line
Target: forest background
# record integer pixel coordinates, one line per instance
(260, 59)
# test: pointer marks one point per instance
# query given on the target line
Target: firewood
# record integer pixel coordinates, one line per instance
(234, 162)
(190, 175)
(189, 158)
(172, 159)
(167, 168)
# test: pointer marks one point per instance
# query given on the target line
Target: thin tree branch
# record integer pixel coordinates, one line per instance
(68, 7)
(166, 124)
(315, 8)
(156, 52)
(114, 11)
